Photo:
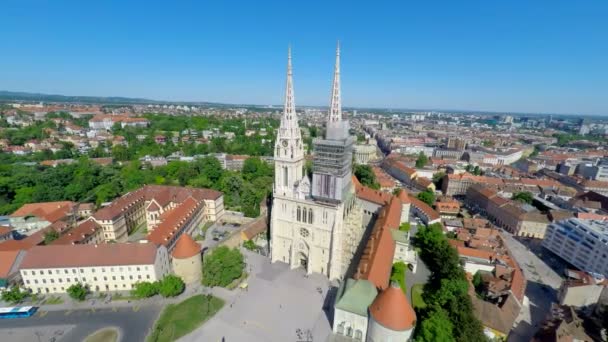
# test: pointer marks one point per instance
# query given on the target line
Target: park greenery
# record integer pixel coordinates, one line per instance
(222, 266)
(78, 291)
(14, 295)
(523, 197)
(178, 320)
(427, 196)
(398, 274)
(169, 286)
(422, 160)
(405, 227)
(438, 179)
(366, 176)
(50, 236)
(250, 245)
(86, 181)
(448, 315)
(473, 169)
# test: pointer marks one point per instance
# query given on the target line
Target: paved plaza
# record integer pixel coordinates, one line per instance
(278, 303)
(541, 287)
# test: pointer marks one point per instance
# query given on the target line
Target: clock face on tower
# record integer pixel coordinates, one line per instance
(284, 143)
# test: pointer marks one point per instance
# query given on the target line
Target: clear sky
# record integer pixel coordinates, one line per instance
(520, 56)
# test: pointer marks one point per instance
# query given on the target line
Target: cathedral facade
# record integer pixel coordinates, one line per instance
(316, 223)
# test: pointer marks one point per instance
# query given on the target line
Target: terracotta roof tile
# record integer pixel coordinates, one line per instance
(110, 254)
(392, 310)
(185, 247)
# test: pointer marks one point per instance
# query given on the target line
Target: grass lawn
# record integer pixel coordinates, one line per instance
(103, 335)
(177, 320)
(417, 300)
(53, 300)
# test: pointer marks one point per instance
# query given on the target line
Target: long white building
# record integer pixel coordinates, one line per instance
(104, 267)
(583, 243)
(315, 224)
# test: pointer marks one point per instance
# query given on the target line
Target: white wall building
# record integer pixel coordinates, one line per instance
(105, 267)
(583, 243)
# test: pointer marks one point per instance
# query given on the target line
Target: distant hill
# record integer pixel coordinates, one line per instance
(6, 96)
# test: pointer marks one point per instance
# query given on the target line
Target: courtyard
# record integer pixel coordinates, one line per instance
(279, 304)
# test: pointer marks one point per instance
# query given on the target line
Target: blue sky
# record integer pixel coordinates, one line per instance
(519, 56)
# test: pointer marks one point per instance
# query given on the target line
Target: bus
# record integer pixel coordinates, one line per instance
(17, 311)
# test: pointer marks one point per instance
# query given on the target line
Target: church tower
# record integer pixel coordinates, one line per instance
(289, 148)
(332, 163)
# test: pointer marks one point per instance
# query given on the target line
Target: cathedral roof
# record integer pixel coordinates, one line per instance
(185, 247)
(392, 310)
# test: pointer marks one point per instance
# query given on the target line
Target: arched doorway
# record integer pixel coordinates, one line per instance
(302, 260)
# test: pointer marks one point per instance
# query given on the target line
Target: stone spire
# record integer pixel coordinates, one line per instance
(335, 107)
(289, 111)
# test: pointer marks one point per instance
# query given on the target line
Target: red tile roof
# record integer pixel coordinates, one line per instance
(186, 248)
(111, 254)
(50, 211)
(392, 310)
(78, 234)
(377, 259)
(173, 222)
(7, 260)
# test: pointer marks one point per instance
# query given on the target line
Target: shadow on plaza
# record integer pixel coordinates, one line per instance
(552, 260)
(328, 304)
(540, 297)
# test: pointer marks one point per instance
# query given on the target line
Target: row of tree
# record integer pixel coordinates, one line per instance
(169, 286)
(448, 315)
(86, 181)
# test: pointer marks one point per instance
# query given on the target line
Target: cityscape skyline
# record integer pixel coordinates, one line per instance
(475, 57)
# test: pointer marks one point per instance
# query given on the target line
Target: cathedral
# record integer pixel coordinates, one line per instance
(316, 224)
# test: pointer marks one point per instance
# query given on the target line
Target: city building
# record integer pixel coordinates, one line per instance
(104, 267)
(186, 260)
(581, 289)
(10, 262)
(315, 225)
(365, 153)
(582, 243)
(166, 211)
(32, 217)
(561, 324)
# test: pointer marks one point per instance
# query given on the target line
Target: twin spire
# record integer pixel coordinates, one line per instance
(335, 107)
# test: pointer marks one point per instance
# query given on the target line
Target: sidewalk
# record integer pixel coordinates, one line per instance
(101, 303)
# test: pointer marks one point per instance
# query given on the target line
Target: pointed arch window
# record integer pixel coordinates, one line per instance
(299, 214)
(310, 215)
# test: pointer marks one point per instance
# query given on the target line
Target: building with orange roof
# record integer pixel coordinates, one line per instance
(187, 260)
(104, 267)
(387, 183)
(448, 209)
(6, 233)
(391, 316)
(10, 262)
(87, 232)
(32, 217)
(152, 205)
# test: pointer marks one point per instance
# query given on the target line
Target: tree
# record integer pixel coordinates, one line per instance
(144, 289)
(250, 245)
(366, 176)
(78, 291)
(50, 236)
(524, 197)
(171, 286)
(222, 266)
(14, 295)
(422, 160)
(398, 274)
(427, 196)
(435, 327)
(478, 282)
(438, 179)
(476, 170)
(405, 227)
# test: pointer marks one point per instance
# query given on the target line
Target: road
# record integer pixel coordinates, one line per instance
(67, 326)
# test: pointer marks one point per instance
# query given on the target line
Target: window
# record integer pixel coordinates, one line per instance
(299, 214)
(139, 276)
(138, 269)
(27, 281)
(67, 280)
(44, 281)
(50, 272)
(113, 277)
(304, 232)
(35, 281)
(73, 270)
(60, 280)
(147, 276)
(103, 270)
(310, 215)
(94, 278)
(65, 271)
(24, 272)
(105, 278)
(122, 277)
